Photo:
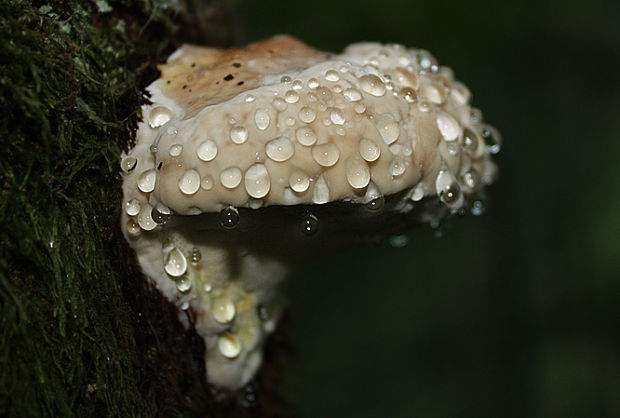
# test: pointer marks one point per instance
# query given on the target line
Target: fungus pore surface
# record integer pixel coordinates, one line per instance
(252, 160)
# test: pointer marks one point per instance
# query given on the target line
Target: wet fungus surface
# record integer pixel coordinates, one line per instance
(250, 161)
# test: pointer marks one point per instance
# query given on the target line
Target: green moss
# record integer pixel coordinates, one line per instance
(80, 334)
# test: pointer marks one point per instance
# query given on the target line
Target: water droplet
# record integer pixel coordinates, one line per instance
(159, 116)
(297, 85)
(175, 150)
(291, 96)
(478, 207)
(208, 287)
(470, 140)
(398, 167)
(207, 182)
(196, 256)
(475, 116)
(320, 192)
(352, 95)
(128, 164)
(257, 181)
(146, 181)
(160, 214)
(409, 94)
(176, 263)
(433, 92)
(360, 108)
(299, 181)
(238, 134)
(223, 310)
(471, 178)
(376, 204)
(418, 193)
(185, 306)
(230, 177)
(229, 345)
(184, 284)
(388, 128)
(337, 89)
(357, 172)
(492, 139)
(460, 93)
(332, 75)
(189, 183)
(309, 224)
(424, 105)
(249, 98)
(286, 79)
(229, 217)
(369, 150)
(280, 149)
(406, 78)
(313, 83)
(337, 116)
(207, 150)
(372, 84)
(153, 148)
(326, 155)
(305, 136)
(261, 117)
(279, 104)
(451, 195)
(448, 126)
(399, 241)
(262, 312)
(133, 229)
(132, 207)
(307, 115)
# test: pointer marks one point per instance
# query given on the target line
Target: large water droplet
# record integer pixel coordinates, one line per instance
(229, 345)
(238, 134)
(176, 263)
(388, 128)
(189, 183)
(230, 177)
(207, 150)
(159, 116)
(144, 218)
(280, 149)
(128, 164)
(451, 195)
(369, 150)
(184, 284)
(299, 181)
(372, 84)
(307, 115)
(160, 214)
(326, 155)
(448, 126)
(223, 310)
(257, 181)
(291, 96)
(309, 224)
(146, 181)
(229, 217)
(357, 172)
(305, 136)
(261, 117)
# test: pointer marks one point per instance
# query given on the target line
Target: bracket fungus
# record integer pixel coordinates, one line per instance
(250, 161)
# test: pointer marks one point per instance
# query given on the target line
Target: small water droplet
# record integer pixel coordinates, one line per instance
(176, 263)
(399, 241)
(229, 345)
(280, 149)
(261, 117)
(238, 134)
(448, 126)
(388, 128)
(357, 172)
(369, 150)
(332, 75)
(451, 195)
(262, 312)
(195, 256)
(307, 115)
(471, 178)
(336, 116)
(492, 139)
(230, 177)
(189, 183)
(409, 94)
(146, 181)
(133, 229)
(313, 83)
(286, 79)
(470, 140)
(418, 193)
(478, 207)
(297, 85)
(299, 181)
(279, 104)
(291, 96)
(128, 164)
(309, 224)
(372, 84)
(326, 155)
(398, 167)
(305, 136)
(376, 204)
(257, 181)
(185, 306)
(184, 284)
(132, 207)
(223, 310)
(159, 116)
(160, 214)
(229, 217)
(352, 95)
(175, 150)
(207, 182)
(207, 150)
(360, 108)
(249, 98)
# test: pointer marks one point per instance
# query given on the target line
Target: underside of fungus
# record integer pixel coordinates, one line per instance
(250, 161)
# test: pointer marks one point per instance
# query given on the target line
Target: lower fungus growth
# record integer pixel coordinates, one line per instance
(250, 161)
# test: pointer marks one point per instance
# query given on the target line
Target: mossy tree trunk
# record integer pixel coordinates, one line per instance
(81, 334)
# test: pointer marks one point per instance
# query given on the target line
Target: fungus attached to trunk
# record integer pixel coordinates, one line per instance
(250, 161)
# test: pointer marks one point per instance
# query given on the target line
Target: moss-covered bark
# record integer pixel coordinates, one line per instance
(81, 335)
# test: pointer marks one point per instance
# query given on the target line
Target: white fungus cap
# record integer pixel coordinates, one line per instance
(280, 123)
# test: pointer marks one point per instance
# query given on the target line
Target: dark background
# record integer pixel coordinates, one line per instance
(514, 313)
